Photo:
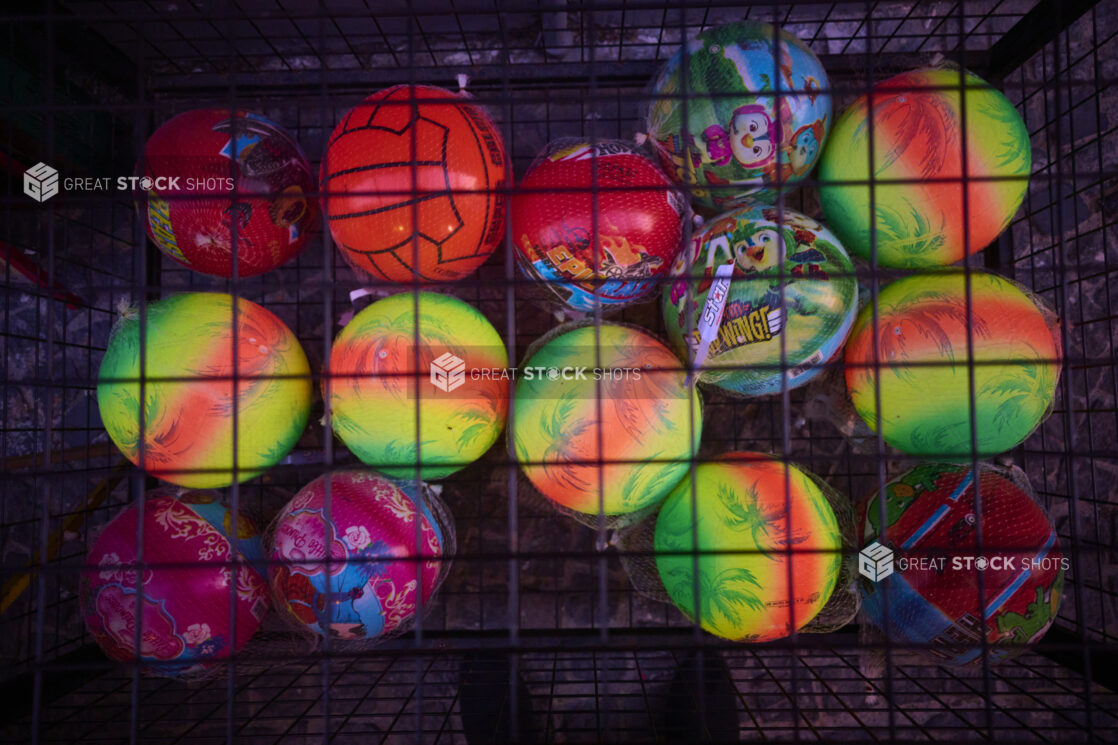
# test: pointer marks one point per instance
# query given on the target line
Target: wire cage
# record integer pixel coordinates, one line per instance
(538, 633)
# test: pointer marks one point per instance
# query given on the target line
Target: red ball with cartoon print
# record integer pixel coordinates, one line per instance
(577, 187)
(210, 181)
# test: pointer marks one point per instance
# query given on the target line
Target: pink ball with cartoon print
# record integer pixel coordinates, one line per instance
(368, 587)
(185, 592)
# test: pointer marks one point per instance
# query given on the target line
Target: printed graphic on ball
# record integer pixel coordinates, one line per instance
(788, 307)
(577, 188)
(757, 114)
(209, 182)
(352, 570)
(184, 587)
(945, 596)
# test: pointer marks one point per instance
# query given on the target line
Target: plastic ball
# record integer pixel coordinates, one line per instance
(931, 599)
(186, 414)
(353, 571)
(747, 537)
(923, 216)
(185, 583)
(413, 179)
(628, 456)
(743, 139)
(923, 333)
(791, 301)
(456, 380)
(195, 161)
(638, 213)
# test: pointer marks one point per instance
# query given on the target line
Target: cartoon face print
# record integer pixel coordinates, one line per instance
(759, 251)
(804, 149)
(753, 136)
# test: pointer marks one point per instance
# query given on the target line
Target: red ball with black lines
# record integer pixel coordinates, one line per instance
(186, 194)
(412, 181)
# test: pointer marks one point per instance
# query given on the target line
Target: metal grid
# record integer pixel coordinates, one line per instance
(567, 617)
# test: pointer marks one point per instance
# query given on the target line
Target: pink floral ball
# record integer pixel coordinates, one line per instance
(181, 595)
(369, 586)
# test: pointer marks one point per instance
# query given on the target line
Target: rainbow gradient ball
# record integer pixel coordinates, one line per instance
(747, 537)
(187, 409)
(378, 555)
(628, 457)
(741, 140)
(928, 218)
(925, 385)
(791, 302)
(186, 587)
(379, 380)
(932, 599)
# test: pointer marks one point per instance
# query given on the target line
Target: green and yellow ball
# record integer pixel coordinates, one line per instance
(439, 404)
(186, 413)
(605, 423)
(760, 523)
(918, 168)
(924, 364)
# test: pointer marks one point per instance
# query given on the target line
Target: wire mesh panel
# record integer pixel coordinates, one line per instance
(550, 624)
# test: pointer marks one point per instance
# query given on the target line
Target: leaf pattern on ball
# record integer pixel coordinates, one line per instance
(895, 232)
(1019, 391)
(743, 513)
(726, 595)
(925, 313)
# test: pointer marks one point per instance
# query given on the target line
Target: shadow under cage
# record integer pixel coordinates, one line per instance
(544, 627)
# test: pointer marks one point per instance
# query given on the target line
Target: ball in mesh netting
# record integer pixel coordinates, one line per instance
(455, 381)
(760, 521)
(919, 219)
(186, 583)
(351, 567)
(190, 211)
(758, 109)
(412, 177)
(186, 415)
(924, 332)
(931, 599)
(604, 419)
(790, 304)
(638, 216)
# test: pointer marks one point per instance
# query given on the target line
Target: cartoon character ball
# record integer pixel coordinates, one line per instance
(757, 116)
(354, 571)
(413, 179)
(185, 583)
(639, 218)
(742, 505)
(186, 415)
(931, 598)
(628, 457)
(791, 301)
(923, 332)
(918, 142)
(193, 163)
(457, 379)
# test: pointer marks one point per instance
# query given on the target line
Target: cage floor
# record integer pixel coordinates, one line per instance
(813, 695)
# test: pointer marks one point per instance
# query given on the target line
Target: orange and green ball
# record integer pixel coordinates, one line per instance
(605, 422)
(923, 356)
(768, 547)
(921, 214)
(186, 413)
(387, 401)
